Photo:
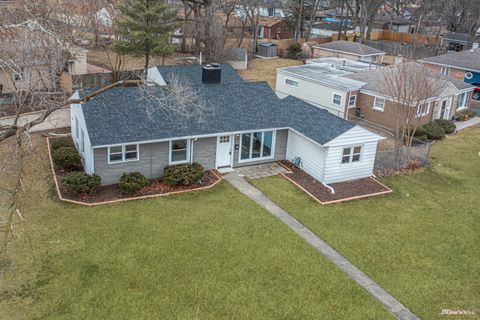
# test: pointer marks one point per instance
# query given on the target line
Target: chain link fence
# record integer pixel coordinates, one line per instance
(401, 158)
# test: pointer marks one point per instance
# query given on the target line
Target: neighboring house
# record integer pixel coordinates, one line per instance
(374, 104)
(246, 124)
(394, 23)
(355, 89)
(464, 66)
(321, 82)
(456, 41)
(348, 50)
(325, 29)
(274, 28)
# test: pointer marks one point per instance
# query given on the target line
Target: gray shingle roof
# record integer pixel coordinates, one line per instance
(466, 60)
(355, 48)
(119, 115)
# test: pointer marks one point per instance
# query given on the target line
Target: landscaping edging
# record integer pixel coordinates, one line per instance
(387, 190)
(91, 204)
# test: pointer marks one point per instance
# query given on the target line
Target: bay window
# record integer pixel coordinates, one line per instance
(123, 153)
(256, 145)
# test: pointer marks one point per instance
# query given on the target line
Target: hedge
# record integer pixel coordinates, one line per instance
(447, 125)
(67, 158)
(81, 182)
(131, 183)
(61, 143)
(434, 131)
(183, 174)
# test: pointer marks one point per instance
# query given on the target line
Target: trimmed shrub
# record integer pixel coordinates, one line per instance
(447, 125)
(133, 182)
(81, 182)
(61, 143)
(183, 174)
(420, 133)
(434, 131)
(67, 158)
(295, 50)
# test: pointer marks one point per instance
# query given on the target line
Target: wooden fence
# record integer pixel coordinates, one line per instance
(404, 37)
(99, 80)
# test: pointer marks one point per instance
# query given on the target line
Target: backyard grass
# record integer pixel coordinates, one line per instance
(420, 243)
(266, 69)
(206, 255)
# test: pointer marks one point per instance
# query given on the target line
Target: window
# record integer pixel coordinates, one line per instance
(445, 71)
(179, 151)
(423, 109)
(124, 153)
(290, 82)
(279, 30)
(462, 101)
(224, 139)
(351, 154)
(337, 99)
(379, 104)
(256, 145)
(352, 100)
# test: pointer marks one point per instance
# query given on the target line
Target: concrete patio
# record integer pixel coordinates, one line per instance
(260, 170)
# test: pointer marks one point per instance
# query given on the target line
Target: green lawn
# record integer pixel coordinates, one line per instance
(422, 243)
(207, 255)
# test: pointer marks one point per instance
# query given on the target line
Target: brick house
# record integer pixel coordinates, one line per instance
(274, 28)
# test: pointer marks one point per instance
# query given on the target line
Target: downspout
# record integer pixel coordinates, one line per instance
(323, 183)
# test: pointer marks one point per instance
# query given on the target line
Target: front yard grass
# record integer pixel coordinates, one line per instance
(420, 243)
(206, 255)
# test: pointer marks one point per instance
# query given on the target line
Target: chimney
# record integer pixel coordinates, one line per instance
(212, 73)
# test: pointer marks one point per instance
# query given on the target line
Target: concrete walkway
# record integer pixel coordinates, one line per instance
(57, 119)
(389, 302)
(465, 124)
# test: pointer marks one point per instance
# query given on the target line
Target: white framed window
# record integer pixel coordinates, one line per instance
(445, 71)
(337, 99)
(462, 100)
(82, 142)
(351, 154)
(224, 139)
(379, 104)
(291, 82)
(259, 145)
(352, 100)
(179, 151)
(125, 153)
(423, 109)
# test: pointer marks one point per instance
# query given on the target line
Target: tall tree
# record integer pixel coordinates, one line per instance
(145, 29)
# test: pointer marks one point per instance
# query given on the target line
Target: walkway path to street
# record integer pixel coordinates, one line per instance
(389, 302)
(465, 124)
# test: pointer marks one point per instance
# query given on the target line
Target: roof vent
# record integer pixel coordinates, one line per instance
(212, 73)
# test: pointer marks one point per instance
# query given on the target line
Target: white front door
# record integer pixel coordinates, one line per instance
(224, 151)
(445, 109)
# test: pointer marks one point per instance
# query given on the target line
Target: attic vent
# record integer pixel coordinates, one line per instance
(212, 73)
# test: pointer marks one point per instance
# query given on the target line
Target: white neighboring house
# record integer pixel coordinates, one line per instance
(321, 82)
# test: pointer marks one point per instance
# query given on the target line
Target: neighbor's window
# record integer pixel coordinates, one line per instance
(351, 154)
(445, 71)
(462, 101)
(256, 145)
(179, 151)
(352, 100)
(291, 82)
(423, 109)
(379, 104)
(337, 99)
(124, 153)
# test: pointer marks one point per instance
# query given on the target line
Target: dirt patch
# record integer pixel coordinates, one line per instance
(266, 70)
(344, 191)
(112, 193)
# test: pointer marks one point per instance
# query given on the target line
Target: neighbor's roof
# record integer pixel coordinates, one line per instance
(462, 37)
(119, 115)
(375, 79)
(269, 21)
(466, 60)
(355, 48)
(324, 73)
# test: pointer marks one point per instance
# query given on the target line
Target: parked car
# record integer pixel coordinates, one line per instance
(476, 92)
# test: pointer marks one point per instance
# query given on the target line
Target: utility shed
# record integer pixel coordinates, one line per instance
(267, 50)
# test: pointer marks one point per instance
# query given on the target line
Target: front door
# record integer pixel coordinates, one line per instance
(224, 151)
(444, 110)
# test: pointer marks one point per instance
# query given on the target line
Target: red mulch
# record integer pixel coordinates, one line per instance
(343, 190)
(112, 192)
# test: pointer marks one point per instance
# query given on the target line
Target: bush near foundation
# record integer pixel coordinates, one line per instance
(133, 182)
(434, 131)
(81, 182)
(183, 174)
(67, 158)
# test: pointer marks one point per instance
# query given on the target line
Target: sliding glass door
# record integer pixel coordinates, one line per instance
(257, 145)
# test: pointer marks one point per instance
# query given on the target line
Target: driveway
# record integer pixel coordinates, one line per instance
(57, 119)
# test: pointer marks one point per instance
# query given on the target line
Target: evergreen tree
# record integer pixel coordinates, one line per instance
(144, 29)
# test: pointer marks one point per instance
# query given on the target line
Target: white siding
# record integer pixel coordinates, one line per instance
(335, 171)
(311, 154)
(76, 112)
(311, 92)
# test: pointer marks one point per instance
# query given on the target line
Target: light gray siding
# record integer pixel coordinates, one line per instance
(204, 152)
(280, 150)
(153, 158)
(311, 154)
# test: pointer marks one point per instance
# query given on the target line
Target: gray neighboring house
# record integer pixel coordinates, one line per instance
(348, 50)
(245, 124)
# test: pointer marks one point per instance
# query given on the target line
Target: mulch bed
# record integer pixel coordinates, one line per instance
(344, 191)
(111, 193)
